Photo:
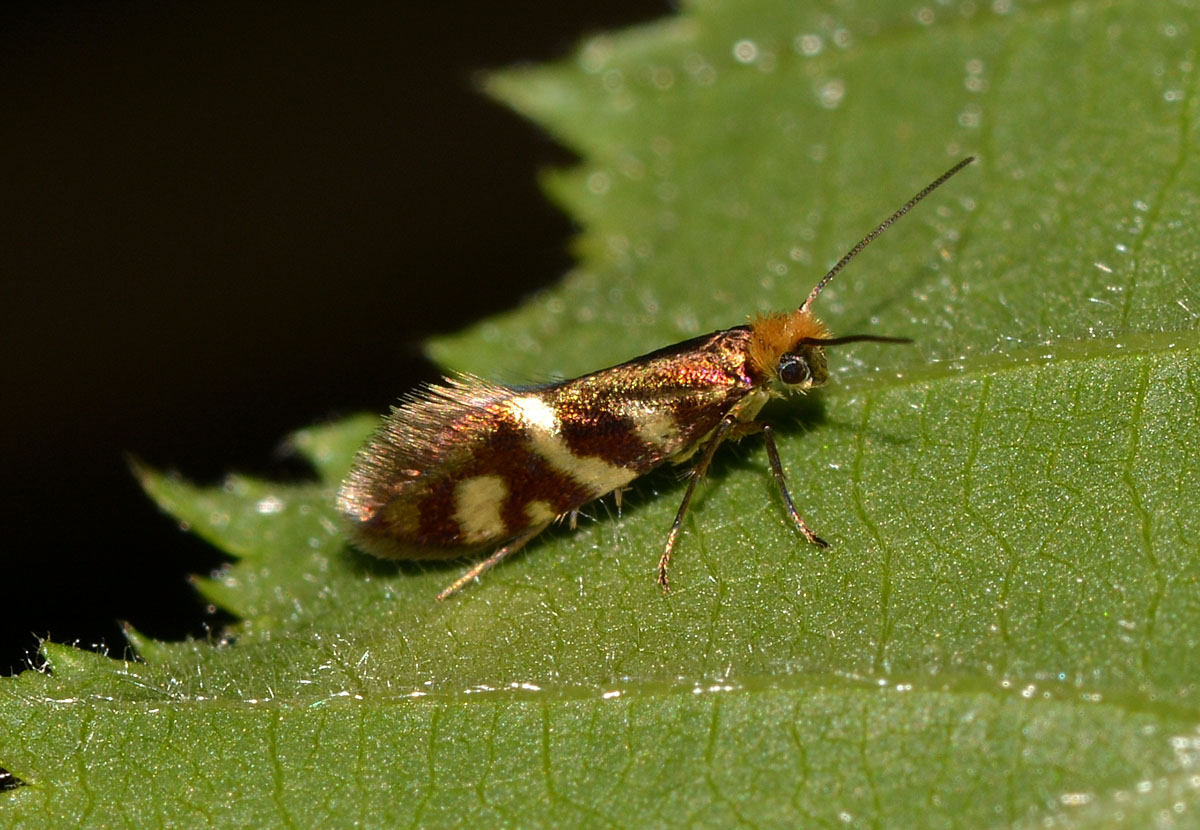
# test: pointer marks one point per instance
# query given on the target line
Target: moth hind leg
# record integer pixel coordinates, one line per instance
(502, 553)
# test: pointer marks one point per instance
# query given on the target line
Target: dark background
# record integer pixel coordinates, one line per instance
(222, 221)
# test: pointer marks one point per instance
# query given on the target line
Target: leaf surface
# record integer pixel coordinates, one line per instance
(1003, 631)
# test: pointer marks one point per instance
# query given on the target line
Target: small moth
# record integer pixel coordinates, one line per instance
(469, 466)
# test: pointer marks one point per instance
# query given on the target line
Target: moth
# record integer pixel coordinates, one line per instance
(468, 466)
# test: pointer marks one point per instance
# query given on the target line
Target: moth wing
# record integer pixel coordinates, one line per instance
(469, 464)
(423, 445)
(659, 407)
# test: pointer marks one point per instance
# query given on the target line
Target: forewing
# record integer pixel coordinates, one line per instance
(469, 464)
(655, 408)
(411, 463)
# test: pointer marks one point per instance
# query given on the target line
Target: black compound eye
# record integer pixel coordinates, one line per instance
(793, 369)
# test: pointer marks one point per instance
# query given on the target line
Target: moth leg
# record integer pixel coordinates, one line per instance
(777, 472)
(618, 496)
(664, 561)
(493, 560)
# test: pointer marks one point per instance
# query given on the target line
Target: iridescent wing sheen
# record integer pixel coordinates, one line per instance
(470, 464)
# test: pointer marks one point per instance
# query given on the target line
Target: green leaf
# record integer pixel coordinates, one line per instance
(1003, 631)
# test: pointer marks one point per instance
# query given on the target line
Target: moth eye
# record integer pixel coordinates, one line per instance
(793, 369)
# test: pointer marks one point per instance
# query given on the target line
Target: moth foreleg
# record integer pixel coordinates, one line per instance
(777, 472)
(504, 551)
(719, 434)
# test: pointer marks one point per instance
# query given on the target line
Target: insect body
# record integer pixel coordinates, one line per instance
(470, 466)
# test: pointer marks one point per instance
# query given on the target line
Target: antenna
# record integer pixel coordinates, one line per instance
(883, 226)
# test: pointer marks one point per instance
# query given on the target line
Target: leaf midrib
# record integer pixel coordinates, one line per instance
(1007, 688)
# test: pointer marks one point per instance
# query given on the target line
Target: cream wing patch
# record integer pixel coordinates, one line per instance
(477, 503)
(658, 428)
(540, 513)
(534, 413)
(541, 426)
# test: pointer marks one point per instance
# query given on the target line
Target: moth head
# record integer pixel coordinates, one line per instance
(789, 349)
(802, 367)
